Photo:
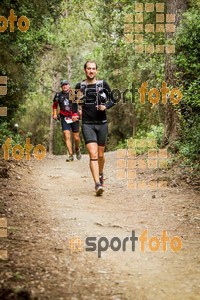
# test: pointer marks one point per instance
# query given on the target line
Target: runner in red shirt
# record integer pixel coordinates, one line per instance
(69, 119)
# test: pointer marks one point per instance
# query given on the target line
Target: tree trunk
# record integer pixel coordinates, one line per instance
(177, 7)
(69, 67)
(55, 85)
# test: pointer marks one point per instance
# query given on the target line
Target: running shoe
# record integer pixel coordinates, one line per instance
(70, 158)
(99, 189)
(78, 154)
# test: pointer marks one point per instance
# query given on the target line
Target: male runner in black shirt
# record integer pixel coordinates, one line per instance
(97, 97)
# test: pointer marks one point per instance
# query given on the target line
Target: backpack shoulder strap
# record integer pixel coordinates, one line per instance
(83, 85)
(99, 85)
(57, 96)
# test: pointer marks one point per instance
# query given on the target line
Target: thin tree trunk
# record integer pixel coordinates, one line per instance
(69, 67)
(55, 85)
(177, 7)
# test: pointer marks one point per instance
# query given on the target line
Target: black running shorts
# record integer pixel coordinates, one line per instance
(72, 126)
(95, 133)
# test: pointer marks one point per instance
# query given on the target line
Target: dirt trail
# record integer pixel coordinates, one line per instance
(53, 201)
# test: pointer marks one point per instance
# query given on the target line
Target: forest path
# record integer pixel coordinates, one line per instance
(53, 202)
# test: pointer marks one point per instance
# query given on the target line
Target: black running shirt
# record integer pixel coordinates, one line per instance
(90, 112)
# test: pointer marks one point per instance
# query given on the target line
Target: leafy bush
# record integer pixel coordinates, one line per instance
(6, 132)
(187, 60)
(155, 133)
(17, 138)
(59, 144)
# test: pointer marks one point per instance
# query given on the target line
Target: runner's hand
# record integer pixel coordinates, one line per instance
(80, 112)
(101, 107)
(75, 118)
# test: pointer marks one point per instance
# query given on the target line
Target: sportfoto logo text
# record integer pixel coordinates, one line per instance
(23, 22)
(18, 152)
(101, 244)
(154, 95)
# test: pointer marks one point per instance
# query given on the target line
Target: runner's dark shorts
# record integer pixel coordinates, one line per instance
(95, 133)
(73, 126)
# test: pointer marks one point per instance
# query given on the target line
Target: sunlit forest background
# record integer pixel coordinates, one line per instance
(63, 34)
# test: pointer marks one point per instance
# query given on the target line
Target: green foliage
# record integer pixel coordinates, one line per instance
(59, 144)
(187, 60)
(122, 145)
(6, 132)
(17, 138)
(19, 51)
(188, 45)
(34, 117)
(154, 133)
(189, 144)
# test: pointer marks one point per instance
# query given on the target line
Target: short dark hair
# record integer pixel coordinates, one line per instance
(90, 61)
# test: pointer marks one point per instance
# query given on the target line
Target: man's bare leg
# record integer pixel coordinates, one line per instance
(101, 158)
(68, 141)
(94, 166)
(76, 140)
(77, 144)
(101, 162)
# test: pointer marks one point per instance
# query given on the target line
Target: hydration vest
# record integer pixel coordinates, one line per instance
(99, 86)
(101, 96)
(63, 101)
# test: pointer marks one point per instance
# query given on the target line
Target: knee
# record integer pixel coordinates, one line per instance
(76, 137)
(67, 137)
(93, 154)
(101, 157)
